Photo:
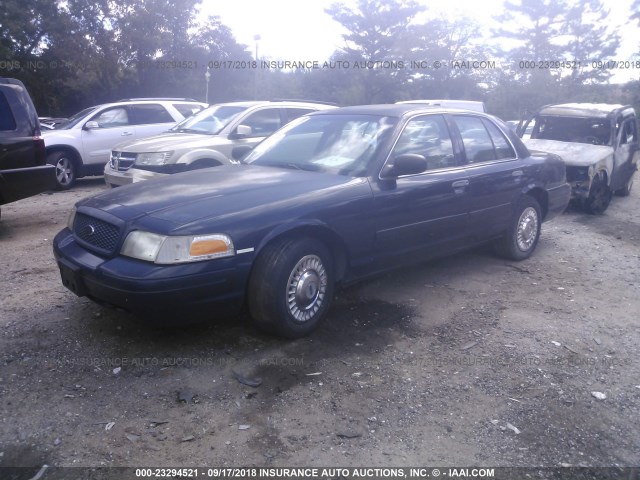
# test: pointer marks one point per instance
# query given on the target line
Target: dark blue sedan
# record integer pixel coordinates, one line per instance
(333, 197)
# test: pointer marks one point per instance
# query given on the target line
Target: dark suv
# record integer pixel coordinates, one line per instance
(23, 166)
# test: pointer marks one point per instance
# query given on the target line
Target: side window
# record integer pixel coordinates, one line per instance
(187, 109)
(477, 142)
(629, 132)
(427, 136)
(7, 120)
(147, 114)
(263, 122)
(113, 117)
(293, 113)
(502, 146)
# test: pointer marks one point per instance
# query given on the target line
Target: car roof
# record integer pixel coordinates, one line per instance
(148, 100)
(395, 110)
(599, 110)
(284, 103)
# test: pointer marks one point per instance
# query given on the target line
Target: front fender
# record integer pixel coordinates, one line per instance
(204, 154)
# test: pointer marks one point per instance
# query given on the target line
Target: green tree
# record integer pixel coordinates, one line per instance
(590, 40)
(535, 27)
(376, 31)
(453, 44)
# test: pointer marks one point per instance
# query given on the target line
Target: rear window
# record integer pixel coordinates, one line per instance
(7, 120)
(145, 114)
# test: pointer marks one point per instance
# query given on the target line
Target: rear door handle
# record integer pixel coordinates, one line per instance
(126, 134)
(460, 184)
(517, 173)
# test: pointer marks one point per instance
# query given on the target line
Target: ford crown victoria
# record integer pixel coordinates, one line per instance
(332, 197)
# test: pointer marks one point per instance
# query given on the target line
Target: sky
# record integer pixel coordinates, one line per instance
(300, 30)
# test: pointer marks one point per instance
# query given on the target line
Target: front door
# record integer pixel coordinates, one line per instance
(626, 154)
(113, 126)
(422, 214)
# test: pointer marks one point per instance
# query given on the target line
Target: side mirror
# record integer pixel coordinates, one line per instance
(91, 125)
(241, 131)
(409, 164)
(241, 151)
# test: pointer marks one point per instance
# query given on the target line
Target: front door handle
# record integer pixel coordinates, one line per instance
(126, 134)
(460, 184)
(517, 173)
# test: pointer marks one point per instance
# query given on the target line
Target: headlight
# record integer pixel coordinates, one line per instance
(71, 218)
(168, 249)
(156, 158)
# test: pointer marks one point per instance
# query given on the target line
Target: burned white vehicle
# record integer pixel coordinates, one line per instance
(598, 143)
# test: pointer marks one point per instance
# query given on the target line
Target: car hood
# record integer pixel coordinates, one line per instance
(575, 154)
(189, 202)
(169, 141)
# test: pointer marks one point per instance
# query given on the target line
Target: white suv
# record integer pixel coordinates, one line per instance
(81, 146)
(205, 140)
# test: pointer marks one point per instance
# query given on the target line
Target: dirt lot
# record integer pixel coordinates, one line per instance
(467, 361)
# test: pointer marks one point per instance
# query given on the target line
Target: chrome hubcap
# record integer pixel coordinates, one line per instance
(64, 171)
(306, 288)
(527, 229)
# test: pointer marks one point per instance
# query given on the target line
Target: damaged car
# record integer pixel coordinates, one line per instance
(598, 143)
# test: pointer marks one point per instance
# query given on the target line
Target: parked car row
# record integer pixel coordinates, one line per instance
(305, 196)
(82, 145)
(206, 139)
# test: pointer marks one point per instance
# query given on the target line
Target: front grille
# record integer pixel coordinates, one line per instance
(122, 161)
(97, 233)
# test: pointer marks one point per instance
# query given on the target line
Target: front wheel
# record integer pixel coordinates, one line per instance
(521, 239)
(66, 170)
(291, 287)
(599, 196)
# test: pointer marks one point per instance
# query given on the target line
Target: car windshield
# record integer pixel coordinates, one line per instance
(75, 119)
(342, 144)
(209, 121)
(594, 131)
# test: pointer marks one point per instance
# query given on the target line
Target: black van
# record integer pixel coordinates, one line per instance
(23, 166)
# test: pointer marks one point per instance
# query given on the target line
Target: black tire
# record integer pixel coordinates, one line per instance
(291, 286)
(599, 196)
(626, 190)
(66, 169)
(524, 232)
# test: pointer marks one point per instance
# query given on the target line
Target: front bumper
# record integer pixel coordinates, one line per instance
(167, 294)
(558, 199)
(580, 179)
(116, 178)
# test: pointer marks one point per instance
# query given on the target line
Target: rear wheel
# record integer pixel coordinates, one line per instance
(599, 196)
(524, 232)
(291, 286)
(66, 169)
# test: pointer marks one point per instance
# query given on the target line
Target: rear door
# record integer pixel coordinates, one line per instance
(425, 213)
(496, 176)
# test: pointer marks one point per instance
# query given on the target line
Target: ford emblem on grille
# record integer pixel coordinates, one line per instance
(89, 230)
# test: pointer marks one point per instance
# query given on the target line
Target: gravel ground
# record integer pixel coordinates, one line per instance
(467, 361)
